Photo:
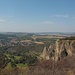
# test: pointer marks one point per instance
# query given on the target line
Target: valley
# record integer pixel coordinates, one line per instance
(22, 52)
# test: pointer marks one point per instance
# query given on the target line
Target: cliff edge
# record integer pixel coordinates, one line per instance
(61, 49)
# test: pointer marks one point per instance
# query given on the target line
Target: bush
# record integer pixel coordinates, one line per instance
(13, 64)
(28, 59)
(54, 68)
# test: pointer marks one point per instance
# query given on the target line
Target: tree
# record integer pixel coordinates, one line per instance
(13, 64)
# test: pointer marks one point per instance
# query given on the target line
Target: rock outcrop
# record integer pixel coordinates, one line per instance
(48, 53)
(59, 50)
(45, 54)
(64, 48)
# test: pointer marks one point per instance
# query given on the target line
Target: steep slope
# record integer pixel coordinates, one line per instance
(61, 49)
(64, 48)
(3, 61)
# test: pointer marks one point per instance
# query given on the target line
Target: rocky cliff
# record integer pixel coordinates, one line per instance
(64, 48)
(48, 52)
(61, 49)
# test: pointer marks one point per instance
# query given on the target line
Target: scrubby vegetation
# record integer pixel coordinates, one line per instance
(63, 67)
(22, 58)
(69, 38)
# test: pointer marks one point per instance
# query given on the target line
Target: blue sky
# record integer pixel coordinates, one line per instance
(37, 15)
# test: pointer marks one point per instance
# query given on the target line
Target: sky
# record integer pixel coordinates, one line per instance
(37, 15)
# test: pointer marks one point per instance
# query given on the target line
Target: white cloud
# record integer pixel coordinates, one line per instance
(48, 22)
(63, 16)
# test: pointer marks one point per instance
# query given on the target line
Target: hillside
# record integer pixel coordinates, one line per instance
(61, 49)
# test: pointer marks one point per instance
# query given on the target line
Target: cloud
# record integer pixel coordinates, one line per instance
(48, 22)
(63, 16)
(1, 20)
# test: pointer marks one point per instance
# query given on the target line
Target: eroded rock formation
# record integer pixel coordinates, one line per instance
(64, 48)
(59, 50)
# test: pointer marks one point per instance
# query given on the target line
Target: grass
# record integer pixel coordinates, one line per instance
(18, 66)
(8, 56)
(8, 66)
(17, 57)
(9, 70)
(23, 68)
(21, 65)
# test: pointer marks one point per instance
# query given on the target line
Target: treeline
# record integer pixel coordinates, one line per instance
(18, 50)
(69, 38)
(45, 39)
